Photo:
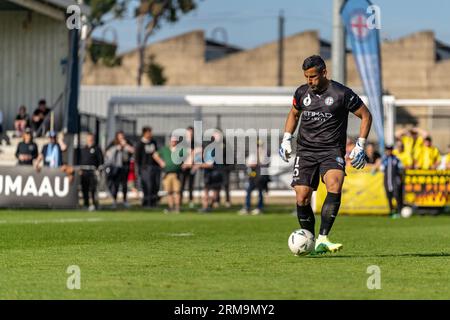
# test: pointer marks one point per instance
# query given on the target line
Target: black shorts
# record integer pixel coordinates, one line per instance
(310, 165)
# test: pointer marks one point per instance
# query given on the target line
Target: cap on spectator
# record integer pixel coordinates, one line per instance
(389, 147)
(52, 134)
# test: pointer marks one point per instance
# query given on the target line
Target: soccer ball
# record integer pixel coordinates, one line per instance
(301, 242)
(406, 212)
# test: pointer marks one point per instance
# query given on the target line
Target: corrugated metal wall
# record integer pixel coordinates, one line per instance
(33, 49)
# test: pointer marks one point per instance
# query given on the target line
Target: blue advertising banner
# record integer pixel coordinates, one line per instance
(362, 23)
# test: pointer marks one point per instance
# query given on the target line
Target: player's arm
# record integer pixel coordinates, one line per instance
(358, 155)
(289, 128)
(366, 121)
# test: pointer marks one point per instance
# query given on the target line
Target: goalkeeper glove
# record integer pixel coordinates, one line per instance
(358, 155)
(286, 148)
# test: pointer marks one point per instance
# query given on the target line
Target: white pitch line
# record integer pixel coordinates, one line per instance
(185, 234)
(69, 220)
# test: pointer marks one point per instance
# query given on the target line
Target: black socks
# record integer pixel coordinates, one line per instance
(306, 218)
(330, 210)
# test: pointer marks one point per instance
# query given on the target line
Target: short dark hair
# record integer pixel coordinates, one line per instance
(314, 61)
(146, 129)
(42, 101)
(428, 138)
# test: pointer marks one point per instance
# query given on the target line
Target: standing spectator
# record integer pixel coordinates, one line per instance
(187, 174)
(429, 156)
(213, 176)
(27, 150)
(373, 156)
(412, 140)
(393, 180)
(172, 169)
(51, 153)
(447, 159)
(39, 120)
(148, 164)
(22, 121)
(118, 156)
(256, 181)
(3, 136)
(91, 158)
(405, 157)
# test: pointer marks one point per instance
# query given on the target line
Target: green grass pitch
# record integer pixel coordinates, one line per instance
(149, 255)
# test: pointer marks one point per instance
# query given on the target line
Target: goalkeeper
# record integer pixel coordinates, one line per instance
(323, 106)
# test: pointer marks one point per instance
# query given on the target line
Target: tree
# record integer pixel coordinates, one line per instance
(155, 72)
(150, 14)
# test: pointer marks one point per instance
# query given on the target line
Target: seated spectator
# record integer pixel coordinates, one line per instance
(3, 136)
(429, 156)
(21, 122)
(39, 120)
(27, 150)
(373, 156)
(405, 158)
(51, 153)
(171, 179)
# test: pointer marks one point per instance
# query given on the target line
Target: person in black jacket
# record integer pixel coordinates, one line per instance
(148, 166)
(27, 150)
(90, 159)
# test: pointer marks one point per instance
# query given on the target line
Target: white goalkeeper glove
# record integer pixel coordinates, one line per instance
(286, 147)
(358, 155)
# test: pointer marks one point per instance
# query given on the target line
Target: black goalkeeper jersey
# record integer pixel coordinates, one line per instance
(324, 116)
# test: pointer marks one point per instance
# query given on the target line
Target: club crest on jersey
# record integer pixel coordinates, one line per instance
(307, 101)
(329, 101)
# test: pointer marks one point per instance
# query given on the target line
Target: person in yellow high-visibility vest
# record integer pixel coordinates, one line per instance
(447, 159)
(412, 140)
(429, 157)
(405, 157)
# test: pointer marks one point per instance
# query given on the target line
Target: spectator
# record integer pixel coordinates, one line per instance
(213, 176)
(51, 153)
(257, 180)
(429, 156)
(171, 181)
(187, 174)
(148, 165)
(373, 156)
(393, 180)
(91, 158)
(3, 136)
(412, 140)
(226, 172)
(118, 156)
(405, 157)
(447, 159)
(27, 150)
(22, 121)
(39, 120)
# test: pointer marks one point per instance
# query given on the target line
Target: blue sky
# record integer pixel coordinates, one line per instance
(249, 23)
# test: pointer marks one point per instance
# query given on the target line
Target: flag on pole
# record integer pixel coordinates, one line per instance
(361, 21)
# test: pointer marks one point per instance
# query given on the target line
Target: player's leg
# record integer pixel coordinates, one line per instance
(333, 181)
(332, 172)
(305, 213)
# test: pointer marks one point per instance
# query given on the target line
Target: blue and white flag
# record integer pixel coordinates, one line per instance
(362, 27)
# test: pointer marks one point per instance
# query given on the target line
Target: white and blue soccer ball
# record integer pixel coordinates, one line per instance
(406, 212)
(301, 242)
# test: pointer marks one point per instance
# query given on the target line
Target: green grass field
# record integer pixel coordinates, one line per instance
(149, 255)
